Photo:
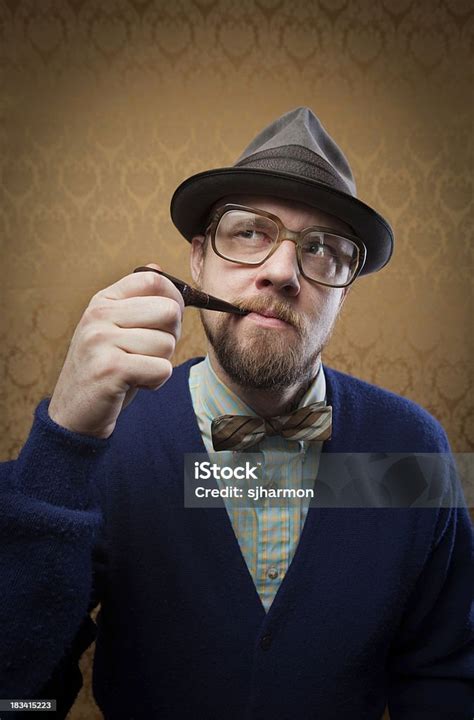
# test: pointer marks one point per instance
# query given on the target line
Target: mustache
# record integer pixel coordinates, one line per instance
(279, 308)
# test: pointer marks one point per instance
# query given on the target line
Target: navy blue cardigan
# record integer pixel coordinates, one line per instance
(376, 606)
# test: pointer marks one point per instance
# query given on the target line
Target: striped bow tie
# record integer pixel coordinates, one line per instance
(238, 432)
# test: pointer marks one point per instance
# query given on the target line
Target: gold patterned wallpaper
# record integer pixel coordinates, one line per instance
(106, 105)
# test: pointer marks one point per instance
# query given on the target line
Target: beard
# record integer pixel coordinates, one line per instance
(264, 358)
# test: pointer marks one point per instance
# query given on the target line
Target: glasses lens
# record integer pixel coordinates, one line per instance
(244, 236)
(329, 258)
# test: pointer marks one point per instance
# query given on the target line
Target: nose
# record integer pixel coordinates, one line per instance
(281, 271)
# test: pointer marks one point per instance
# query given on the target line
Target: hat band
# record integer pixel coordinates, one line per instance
(297, 160)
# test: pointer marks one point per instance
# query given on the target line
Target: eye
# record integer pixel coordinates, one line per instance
(248, 234)
(315, 248)
(253, 235)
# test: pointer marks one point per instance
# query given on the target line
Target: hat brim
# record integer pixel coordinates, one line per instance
(193, 199)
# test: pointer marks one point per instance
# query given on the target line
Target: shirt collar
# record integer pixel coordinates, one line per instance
(218, 399)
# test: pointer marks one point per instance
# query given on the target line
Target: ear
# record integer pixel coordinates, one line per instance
(197, 257)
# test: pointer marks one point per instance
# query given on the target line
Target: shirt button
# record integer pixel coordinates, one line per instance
(265, 642)
(272, 573)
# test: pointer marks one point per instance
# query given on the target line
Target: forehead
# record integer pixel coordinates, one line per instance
(294, 215)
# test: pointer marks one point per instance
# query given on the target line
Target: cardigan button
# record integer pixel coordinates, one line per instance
(265, 642)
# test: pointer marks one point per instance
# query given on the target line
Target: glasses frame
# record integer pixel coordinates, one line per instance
(285, 233)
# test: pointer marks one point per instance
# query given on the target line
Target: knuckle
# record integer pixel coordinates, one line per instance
(169, 345)
(171, 312)
(151, 281)
(166, 369)
(94, 334)
(95, 312)
(106, 366)
(98, 298)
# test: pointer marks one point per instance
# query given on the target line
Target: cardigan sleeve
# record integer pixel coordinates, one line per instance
(431, 668)
(66, 679)
(50, 526)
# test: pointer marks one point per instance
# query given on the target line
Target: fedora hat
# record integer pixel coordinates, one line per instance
(293, 158)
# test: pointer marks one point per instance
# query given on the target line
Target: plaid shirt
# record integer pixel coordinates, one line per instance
(268, 536)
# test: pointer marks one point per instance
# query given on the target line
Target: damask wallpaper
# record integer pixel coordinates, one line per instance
(107, 105)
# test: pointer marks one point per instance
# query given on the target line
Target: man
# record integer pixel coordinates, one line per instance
(296, 611)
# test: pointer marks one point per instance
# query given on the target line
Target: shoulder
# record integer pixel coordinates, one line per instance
(384, 414)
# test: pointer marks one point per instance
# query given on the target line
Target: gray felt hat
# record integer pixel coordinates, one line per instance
(293, 158)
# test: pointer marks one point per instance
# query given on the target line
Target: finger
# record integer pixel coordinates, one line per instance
(144, 371)
(140, 284)
(153, 343)
(155, 313)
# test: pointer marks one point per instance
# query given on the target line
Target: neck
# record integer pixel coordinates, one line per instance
(266, 403)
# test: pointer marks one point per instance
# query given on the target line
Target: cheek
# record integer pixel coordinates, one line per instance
(223, 280)
(207, 274)
(334, 301)
(326, 307)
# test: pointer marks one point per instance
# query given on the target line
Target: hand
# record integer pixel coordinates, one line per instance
(124, 341)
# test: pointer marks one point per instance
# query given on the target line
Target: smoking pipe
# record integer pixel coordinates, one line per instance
(197, 298)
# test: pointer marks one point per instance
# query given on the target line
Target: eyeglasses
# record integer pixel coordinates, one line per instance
(249, 236)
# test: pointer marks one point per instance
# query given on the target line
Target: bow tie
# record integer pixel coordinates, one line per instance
(238, 432)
